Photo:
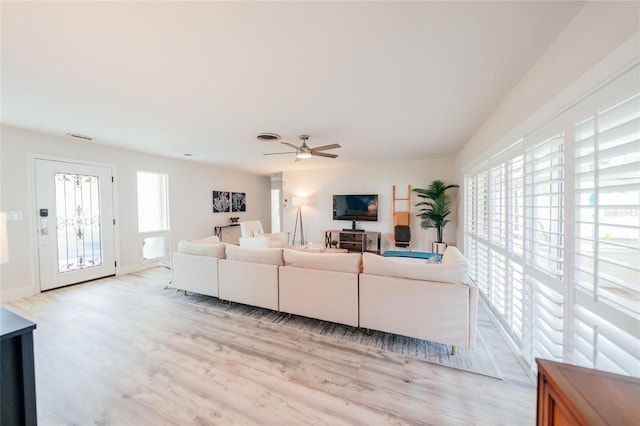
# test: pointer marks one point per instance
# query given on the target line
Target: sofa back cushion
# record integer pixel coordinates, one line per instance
(207, 247)
(454, 272)
(337, 262)
(267, 256)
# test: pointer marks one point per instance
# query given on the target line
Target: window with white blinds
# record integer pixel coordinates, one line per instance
(552, 232)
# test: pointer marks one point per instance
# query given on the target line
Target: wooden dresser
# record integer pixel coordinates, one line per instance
(572, 395)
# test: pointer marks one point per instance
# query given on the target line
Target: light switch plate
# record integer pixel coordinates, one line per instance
(14, 216)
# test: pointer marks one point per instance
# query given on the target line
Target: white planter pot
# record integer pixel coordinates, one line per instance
(438, 248)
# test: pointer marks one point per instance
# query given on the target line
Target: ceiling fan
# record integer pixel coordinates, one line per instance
(303, 151)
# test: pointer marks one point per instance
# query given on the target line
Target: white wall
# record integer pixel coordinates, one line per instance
(190, 196)
(320, 185)
(566, 71)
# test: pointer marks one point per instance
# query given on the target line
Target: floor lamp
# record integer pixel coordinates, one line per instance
(298, 202)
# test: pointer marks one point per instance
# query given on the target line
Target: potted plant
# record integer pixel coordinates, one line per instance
(334, 243)
(435, 208)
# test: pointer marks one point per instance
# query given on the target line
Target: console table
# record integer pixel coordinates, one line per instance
(354, 241)
(572, 395)
(228, 234)
(17, 376)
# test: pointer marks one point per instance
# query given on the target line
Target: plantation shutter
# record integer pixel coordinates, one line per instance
(519, 300)
(498, 230)
(544, 249)
(470, 225)
(606, 272)
(552, 233)
(482, 231)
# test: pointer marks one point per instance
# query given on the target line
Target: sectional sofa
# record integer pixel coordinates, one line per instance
(410, 297)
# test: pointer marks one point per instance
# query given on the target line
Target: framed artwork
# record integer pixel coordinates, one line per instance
(238, 202)
(221, 201)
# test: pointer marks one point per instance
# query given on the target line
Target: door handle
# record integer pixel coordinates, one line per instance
(44, 226)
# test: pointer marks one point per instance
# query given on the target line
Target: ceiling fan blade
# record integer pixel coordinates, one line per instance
(323, 154)
(278, 153)
(291, 145)
(325, 147)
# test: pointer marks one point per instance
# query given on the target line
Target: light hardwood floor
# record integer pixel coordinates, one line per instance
(110, 352)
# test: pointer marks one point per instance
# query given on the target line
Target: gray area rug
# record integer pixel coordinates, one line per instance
(477, 360)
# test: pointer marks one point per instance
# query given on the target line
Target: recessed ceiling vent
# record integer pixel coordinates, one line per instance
(267, 137)
(77, 136)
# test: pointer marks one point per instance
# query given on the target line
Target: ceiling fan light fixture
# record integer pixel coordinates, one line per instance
(304, 151)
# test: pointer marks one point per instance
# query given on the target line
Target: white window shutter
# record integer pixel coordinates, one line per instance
(552, 233)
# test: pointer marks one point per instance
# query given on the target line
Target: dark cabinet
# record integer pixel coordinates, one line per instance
(17, 376)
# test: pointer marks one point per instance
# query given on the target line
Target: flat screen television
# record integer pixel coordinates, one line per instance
(355, 207)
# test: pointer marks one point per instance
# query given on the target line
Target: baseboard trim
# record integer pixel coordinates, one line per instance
(130, 269)
(509, 340)
(22, 292)
(18, 293)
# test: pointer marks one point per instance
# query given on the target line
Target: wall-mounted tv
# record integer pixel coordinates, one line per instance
(355, 207)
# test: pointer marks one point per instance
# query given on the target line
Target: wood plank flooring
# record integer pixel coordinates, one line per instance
(110, 352)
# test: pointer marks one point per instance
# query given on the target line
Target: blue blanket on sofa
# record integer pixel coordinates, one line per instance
(414, 254)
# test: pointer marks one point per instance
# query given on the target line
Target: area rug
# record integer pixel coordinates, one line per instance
(477, 360)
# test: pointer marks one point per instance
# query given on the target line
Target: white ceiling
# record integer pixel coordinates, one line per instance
(386, 80)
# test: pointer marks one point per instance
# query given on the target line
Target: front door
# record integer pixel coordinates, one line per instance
(74, 208)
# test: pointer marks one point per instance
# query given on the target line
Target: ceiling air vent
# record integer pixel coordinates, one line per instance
(77, 136)
(267, 137)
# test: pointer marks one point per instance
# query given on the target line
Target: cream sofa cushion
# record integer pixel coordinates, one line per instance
(253, 284)
(322, 294)
(453, 255)
(452, 272)
(196, 273)
(337, 262)
(206, 247)
(267, 256)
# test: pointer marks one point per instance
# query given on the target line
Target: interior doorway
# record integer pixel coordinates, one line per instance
(276, 203)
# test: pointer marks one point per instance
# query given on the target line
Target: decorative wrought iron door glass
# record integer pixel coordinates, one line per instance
(78, 222)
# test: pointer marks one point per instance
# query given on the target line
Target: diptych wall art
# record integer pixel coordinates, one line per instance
(238, 202)
(225, 201)
(221, 201)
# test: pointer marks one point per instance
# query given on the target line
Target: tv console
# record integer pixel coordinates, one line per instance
(358, 241)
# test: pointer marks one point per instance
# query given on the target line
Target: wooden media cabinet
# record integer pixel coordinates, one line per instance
(354, 241)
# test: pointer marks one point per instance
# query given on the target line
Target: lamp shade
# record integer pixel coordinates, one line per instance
(298, 201)
(4, 239)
